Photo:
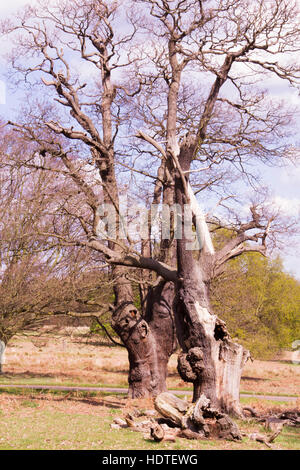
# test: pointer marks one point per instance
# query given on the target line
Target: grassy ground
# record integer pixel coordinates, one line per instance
(57, 420)
(84, 361)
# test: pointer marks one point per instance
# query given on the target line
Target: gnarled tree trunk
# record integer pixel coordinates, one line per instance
(140, 343)
(209, 359)
(149, 340)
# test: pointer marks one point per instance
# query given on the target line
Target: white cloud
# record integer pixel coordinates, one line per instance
(288, 206)
(289, 175)
(12, 5)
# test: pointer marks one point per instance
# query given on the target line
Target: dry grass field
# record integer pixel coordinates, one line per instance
(85, 360)
(60, 420)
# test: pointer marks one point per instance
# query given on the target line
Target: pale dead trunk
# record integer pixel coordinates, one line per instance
(209, 359)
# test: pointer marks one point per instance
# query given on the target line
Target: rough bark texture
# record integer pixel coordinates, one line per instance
(209, 359)
(160, 317)
(149, 340)
(140, 343)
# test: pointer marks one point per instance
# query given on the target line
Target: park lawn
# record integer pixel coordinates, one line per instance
(81, 420)
(52, 422)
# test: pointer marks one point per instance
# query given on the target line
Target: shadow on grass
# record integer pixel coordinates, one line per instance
(119, 371)
(59, 396)
(254, 379)
(29, 375)
(93, 342)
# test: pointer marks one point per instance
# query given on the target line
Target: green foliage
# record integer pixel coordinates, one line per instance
(29, 404)
(260, 304)
(97, 329)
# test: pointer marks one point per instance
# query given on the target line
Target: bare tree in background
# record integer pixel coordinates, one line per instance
(175, 97)
(39, 280)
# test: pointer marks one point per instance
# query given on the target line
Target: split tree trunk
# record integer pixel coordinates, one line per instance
(209, 359)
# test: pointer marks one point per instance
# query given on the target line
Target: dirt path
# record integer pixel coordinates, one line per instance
(124, 390)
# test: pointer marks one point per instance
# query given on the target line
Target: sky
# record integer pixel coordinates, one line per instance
(283, 182)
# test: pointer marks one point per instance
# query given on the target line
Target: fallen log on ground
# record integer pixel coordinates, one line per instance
(267, 440)
(176, 418)
(286, 418)
(199, 418)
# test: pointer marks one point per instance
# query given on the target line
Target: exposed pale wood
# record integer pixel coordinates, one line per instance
(198, 420)
(171, 407)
